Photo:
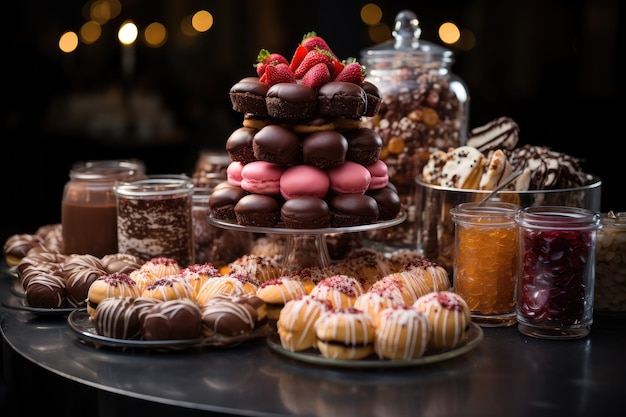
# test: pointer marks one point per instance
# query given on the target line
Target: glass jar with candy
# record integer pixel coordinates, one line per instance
(556, 277)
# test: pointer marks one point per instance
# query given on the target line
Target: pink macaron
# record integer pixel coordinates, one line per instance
(349, 178)
(233, 173)
(304, 180)
(380, 176)
(262, 177)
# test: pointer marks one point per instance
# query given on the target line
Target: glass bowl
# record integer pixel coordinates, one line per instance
(435, 229)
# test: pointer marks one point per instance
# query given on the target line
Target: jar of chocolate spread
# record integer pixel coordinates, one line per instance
(424, 107)
(154, 218)
(88, 206)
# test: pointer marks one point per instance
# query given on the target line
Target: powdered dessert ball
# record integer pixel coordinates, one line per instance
(342, 99)
(276, 144)
(258, 210)
(364, 145)
(171, 287)
(117, 284)
(305, 212)
(340, 290)
(402, 333)
(325, 149)
(162, 266)
(449, 317)
(291, 101)
(46, 290)
(279, 291)
(248, 96)
(178, 319)
(296, 322)
(345, 333)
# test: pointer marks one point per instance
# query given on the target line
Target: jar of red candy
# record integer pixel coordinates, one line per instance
(556, 277)
(424, 107)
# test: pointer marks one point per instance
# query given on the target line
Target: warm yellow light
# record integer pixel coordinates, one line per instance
(186, 27)
(155, 35)
(68, 42)
(371, 14)
(127, 33)
(202, 21)
(379, 33)
(449, 33)
(90, 32)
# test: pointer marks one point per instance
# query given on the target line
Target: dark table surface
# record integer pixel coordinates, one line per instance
(46, 367)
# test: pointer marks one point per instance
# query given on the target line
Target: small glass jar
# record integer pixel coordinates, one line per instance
(485, 261)
(217, 245)
(424, 106)
(88, 206)
(610, 288)
(154, 218)
(556, 278)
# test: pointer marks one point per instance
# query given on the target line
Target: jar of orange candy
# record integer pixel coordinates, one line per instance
(485, 261)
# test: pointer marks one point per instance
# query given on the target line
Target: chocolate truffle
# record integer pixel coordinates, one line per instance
(325, 149)
(341, 99)
(291, 101)
(364, 145)
(388, 201)
(276, 144)
(257, 210)
(239, 145)
(178, 319)
(223, 200)
(374, 99)
(352, 210)
(305, 212)
(248, 96)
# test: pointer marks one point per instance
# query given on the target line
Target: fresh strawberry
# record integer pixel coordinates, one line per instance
(317, 76)
(298, 56)
(337, 67)
(313, 57)
(265, 58)
(311, 41)
(277, 73)
(352, 73)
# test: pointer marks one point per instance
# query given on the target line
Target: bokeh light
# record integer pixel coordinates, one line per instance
(371, 14)
(155, 35)
(202, 21)
(68, 42)
(449, 33)
(90, 32)
(127, 33)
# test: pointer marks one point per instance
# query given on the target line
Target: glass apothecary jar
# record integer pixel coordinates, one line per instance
(88, 206)
(424, 107)
(610, 285)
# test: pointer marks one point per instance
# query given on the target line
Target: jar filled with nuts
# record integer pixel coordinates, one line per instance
(610, 285)
(424, 107)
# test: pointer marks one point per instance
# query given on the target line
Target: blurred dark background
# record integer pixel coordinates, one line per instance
(550, 65)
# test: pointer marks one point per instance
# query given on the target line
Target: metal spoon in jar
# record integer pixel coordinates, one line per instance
(502, 185)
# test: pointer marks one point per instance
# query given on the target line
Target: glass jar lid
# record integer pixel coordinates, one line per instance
(407, 43)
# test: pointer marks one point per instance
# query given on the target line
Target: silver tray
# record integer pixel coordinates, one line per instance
(473, 337)
(81, 324)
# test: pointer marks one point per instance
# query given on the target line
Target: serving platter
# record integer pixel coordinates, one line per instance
(19, 303)
(83, 327)
(473, 337)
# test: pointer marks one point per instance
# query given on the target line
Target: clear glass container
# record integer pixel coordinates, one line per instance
(154, 218)
(556, 278)
(424, 107)
(88, 206)
(610, 287)
(485, 261)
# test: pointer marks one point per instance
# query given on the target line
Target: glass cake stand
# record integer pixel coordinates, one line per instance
(306, 247)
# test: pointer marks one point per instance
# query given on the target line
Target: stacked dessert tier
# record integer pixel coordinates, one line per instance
(301, 158)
